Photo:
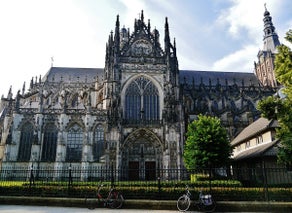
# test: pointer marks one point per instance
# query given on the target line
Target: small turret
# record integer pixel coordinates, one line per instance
(23, 88)
(9, 95)
(149, 27)
(174, 47)
(124, 37)
(156, 35)
(142, 16)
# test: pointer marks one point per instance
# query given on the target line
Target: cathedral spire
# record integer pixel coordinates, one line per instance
(271, 40)
(9, 96)
(142, 16)
(166, 37)
(117, 35)
(149, 27)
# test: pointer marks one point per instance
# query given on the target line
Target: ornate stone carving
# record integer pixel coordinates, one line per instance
(143, 67)
(141, 48)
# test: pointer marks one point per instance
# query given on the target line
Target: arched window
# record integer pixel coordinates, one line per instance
(98, 143)
(74, 102)
(142, 100)
(26, 139)
(50, 143)
(85, 98)
(74, 144)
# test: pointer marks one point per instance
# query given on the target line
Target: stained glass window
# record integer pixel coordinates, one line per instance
(74, 144)
(98, 144)
(26, 139)
(142, 100)
(49, 143)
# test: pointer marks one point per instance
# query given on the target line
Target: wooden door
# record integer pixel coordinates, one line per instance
(133, 170)
(150, 170)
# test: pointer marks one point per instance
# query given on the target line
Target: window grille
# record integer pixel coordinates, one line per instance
(74, 144)
(26, 139)
(98, 144)
(50, 143)
(142, 100)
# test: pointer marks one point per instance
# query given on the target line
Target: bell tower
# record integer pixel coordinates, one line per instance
(264, 67)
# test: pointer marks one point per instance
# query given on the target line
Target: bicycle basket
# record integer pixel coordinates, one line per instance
(206, 200)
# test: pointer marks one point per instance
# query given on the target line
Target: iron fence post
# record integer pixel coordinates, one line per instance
(70, 180)
(159, 186)
(112, 175)
(31, 178)
(266, 192)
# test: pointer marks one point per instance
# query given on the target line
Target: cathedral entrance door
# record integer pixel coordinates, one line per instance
(150, 170)
(133, 170)
(141, 153)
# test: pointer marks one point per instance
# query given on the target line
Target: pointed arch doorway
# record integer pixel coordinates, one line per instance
(141, 155)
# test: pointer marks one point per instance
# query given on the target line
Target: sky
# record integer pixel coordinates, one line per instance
(210, 35)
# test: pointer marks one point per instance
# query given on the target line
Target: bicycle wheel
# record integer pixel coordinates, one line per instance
(118, 201)
(183, 203)
(115, 200)
(207, 208)
(91, 203)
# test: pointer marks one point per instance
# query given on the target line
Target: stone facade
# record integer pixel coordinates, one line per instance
(132, 114)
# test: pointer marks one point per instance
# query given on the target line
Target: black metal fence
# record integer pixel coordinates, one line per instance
(225, 184)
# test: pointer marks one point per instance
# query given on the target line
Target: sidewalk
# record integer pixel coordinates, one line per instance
(235, 206)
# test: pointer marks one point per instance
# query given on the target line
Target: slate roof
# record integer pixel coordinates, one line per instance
(218, 77)
(69, 74)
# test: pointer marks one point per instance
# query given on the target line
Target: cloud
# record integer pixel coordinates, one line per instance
(239, 61)
(35, 31)
(76, 32)
(244, 22)
(244, 17)
(133, 9)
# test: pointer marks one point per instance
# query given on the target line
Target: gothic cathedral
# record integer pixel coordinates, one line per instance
(134, 112)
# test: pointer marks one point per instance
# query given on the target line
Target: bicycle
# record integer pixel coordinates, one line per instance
(204, 203)
(114, 199)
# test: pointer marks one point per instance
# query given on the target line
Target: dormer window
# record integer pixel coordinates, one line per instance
(247, 144)
(259, 139)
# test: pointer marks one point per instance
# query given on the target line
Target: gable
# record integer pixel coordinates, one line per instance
(142, 42)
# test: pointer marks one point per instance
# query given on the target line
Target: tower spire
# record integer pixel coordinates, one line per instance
(142, 16)
(271, 40)
(264, 68)
(166, 37)
(117, 35)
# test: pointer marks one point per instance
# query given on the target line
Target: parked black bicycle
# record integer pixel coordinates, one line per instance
(204, 203)
(113, 200)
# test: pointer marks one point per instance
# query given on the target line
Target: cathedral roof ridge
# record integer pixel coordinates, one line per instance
(72, 74)
(214, 71)
(64, 67)
(214, 77)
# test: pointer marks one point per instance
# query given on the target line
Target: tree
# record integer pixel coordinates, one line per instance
(283, 71)
(278, 107)
(283, 65)
(207, 144)
(271, 107)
